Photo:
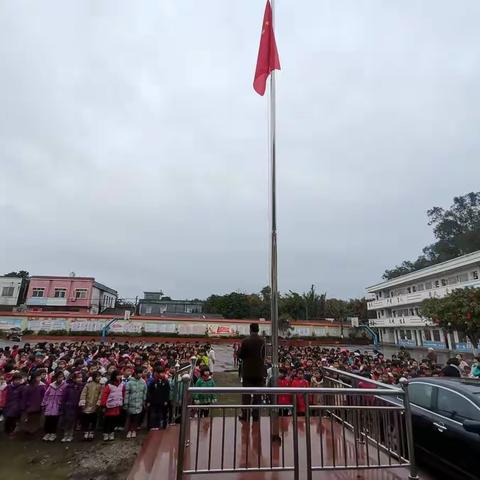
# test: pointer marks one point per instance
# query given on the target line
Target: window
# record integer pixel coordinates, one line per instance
(38, 292)
(436, 335)
(420, 287)
(421, 395)
(414, 288)
(437, 283)
(444, 282)
(456, 407)
(7, 291)
(452, 280)
(409, 334)
(148, 309)
(463, 277)
(475, 274)
(60, 293)
(80, 293)
(409, 290)
(428, 335)
(428, 285)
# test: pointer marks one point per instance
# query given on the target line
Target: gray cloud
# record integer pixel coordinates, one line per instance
(133, 148)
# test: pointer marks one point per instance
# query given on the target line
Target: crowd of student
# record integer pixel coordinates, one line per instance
(59, 387)
(373, 365)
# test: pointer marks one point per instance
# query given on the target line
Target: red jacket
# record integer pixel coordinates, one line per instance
(284, 399)
(297, 383)
(114, 411)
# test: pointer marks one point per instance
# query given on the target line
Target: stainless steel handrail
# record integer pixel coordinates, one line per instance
(383, 433)
(290, 390)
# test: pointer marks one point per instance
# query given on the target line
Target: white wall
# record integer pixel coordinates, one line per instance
(14, 282)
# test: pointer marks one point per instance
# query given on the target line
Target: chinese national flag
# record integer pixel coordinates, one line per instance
(267, 53)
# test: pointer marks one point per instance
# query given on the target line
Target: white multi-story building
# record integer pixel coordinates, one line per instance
(397, 303)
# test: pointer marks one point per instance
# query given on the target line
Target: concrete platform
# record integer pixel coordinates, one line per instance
(252, 448)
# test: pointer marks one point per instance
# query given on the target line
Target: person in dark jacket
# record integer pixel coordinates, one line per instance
(452, 369)
(158, 396)
(32, 402)
(71, 408)
(14, 403)
(252, 355)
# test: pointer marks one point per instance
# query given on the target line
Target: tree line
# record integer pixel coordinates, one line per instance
(456, 230)
(309, 305)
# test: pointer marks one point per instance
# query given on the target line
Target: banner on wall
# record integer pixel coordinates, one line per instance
(47, 324)
(219, 330)
(9, 323)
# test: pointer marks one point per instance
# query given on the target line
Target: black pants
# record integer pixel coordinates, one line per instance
(51, 423)
(109, 423)
(157, 416)
(89, 421)
(10, 424)
(134, 420)
(248, 399)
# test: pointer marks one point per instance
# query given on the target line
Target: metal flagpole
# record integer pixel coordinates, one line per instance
(273, 264)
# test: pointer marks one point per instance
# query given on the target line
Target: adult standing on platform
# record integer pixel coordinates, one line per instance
(252, 354)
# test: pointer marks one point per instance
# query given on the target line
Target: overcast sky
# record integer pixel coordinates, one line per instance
(134, 149)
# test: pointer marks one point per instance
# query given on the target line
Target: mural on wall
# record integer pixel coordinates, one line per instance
(9, 323)
(160, 327)
(47, 324)
(86, 325)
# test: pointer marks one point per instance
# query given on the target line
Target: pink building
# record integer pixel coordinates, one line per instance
(69, 294)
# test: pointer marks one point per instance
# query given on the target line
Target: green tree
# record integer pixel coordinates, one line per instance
(459, 310)
(337, 309)
(457, 232)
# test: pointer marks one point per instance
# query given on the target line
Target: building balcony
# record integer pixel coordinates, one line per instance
(418, 297)
(411, 321)
(409, 298)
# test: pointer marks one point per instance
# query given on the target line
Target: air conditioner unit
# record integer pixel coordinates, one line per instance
(73, 299)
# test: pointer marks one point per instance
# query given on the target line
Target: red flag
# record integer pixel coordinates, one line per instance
(267, 53)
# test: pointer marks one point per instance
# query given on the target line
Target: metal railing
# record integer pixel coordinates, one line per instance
(177, 389)
(339, 427)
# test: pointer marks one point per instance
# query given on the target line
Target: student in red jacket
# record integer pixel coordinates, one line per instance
(112, 401)
(284, 398)
(300, 382)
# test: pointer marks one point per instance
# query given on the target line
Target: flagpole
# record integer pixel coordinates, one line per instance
(273, 247)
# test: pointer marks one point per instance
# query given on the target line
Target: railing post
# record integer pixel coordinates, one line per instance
(296, 472)
(184, 422)
(309, 438)
(408, 426)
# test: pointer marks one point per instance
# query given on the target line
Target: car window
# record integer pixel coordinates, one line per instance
(454, 406)
(421, 395)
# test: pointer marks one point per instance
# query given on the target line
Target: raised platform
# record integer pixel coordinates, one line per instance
(250, 447)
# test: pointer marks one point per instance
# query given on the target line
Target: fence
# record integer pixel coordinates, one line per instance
(178, 387)
(339, 427)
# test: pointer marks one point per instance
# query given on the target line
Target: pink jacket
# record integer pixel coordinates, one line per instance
(53, 400)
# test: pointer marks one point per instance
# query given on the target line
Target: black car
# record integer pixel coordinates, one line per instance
(446, 424)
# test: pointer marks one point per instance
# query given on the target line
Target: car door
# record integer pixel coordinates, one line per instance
(457, 448)
(421, 397)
